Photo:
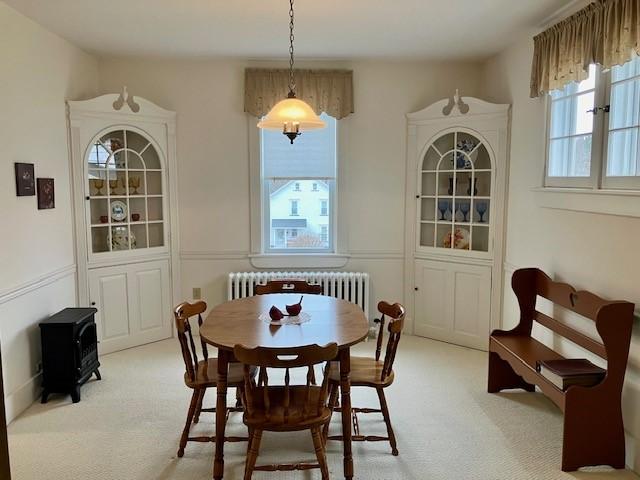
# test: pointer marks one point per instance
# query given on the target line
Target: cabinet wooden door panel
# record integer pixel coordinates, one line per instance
(111, 299)
(133, 303)
(453, 302)
(432, 306)
(471, 306)
(149, 283)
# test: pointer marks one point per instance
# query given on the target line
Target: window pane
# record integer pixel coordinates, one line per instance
(569, 116)
(570, 157)
(297, 216)
(312, 155)
(622, 156)
(625, 104)
(624, 120)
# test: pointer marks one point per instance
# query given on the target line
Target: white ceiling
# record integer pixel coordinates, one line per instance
(328, 29)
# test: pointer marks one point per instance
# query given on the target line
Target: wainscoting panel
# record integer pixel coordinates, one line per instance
(21, 309)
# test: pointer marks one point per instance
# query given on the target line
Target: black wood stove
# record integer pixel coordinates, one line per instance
(69, 351)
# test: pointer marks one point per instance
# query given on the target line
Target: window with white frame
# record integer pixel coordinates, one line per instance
(296, 180)
(594, 130)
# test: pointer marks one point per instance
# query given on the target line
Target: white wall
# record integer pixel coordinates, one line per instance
(213, 158)
(591, 251)
(40, 71)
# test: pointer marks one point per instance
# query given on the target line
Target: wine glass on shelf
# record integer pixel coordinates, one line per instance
(481, 208)
(134, 184)
(443, 207)
(464, 209)
(98, 184)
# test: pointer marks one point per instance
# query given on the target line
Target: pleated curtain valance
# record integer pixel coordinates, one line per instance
(606, 32)
(329, 91)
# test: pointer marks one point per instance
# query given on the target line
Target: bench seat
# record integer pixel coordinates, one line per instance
(522, 353)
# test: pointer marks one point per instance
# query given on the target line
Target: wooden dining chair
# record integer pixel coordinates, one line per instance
(373, 373)
(288, 286)
(285, 408)
(200, 374)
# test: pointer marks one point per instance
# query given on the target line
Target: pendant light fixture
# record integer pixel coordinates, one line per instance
(291, 115)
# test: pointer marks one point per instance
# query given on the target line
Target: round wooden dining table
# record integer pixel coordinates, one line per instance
(241, 322)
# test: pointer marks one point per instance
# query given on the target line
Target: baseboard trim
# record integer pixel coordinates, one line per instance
(42, 281)
(22, 398)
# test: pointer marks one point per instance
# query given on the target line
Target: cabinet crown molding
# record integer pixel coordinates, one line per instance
(454, 105)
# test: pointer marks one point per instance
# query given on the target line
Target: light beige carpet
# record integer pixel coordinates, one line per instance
(127, 426)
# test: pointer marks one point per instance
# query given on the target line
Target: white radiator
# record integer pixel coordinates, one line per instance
(350, 286)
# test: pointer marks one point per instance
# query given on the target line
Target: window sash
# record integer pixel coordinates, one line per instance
(590, 181)
(614, 182)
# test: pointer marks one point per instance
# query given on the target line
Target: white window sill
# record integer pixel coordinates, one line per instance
(624, 203)
(291, 261)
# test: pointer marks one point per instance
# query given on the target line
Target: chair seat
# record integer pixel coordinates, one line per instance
(365, 372)
(207, 374)
(298, 417)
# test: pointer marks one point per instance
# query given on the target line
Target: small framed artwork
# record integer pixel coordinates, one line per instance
(25, 180)
(46, 194)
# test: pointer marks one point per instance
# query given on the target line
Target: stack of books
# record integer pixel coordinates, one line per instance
(570, 371)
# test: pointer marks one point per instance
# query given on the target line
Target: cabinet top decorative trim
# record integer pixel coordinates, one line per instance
(122, 103)
(458, 106)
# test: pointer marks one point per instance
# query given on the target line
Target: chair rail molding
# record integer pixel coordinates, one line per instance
(40, 281)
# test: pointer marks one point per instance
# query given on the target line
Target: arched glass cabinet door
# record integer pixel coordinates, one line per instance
(454, 201)
(125, 192)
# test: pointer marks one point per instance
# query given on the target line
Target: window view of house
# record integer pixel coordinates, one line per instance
(299, 181)
(298, 222)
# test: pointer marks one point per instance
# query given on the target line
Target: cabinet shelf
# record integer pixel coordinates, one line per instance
(446, 222)
(123, 170)
(462, 197)
(118, 197)
(459, 170)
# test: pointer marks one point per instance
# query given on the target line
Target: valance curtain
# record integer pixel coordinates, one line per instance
(606, 32)
(329, 91)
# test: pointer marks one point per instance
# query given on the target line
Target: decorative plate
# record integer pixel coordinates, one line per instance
(119, 210)
(303, 317)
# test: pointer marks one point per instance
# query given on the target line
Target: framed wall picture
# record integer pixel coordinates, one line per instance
(46, 194)
(25, 180)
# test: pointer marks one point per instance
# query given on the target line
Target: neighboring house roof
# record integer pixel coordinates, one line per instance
(289, 223)
(280, 184)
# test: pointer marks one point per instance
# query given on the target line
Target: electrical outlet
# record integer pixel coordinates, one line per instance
(197, 293)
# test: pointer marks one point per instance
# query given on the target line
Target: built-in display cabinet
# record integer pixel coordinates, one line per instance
(123, 157)
(456, 178)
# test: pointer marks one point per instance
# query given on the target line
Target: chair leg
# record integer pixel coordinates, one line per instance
(196, 417)
(387, 420)
(187, 426)
(320, 453)
(333, 401)
(238, 397)
(252, 456)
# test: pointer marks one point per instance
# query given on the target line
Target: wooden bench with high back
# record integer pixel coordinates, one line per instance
(593, 427)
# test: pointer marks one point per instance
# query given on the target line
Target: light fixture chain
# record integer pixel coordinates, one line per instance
(292, 82)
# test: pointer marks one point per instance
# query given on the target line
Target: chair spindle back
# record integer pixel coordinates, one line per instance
(396, 314)
(285, 358)
(288, 286)
(183, 313)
